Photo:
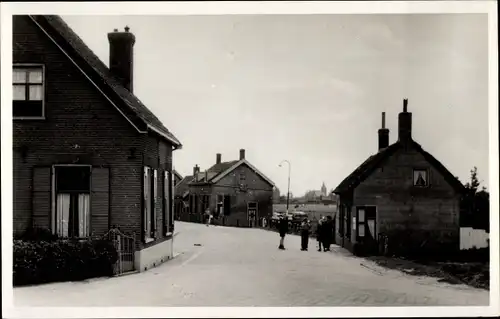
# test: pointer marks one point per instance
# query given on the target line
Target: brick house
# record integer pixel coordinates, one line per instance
(400, 190)
(181, 198)
(88, 155)
(177, 177)
(235, 190)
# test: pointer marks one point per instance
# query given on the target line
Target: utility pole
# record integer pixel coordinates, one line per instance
(288, 192)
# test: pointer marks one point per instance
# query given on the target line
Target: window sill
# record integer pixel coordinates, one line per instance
(148, 240)
(29, 118)
(74, 238)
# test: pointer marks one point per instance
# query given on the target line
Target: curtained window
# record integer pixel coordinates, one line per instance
(72, 188)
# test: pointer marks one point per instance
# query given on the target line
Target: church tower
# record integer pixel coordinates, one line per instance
(323, 190)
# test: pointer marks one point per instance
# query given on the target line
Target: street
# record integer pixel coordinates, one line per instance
(243, 267)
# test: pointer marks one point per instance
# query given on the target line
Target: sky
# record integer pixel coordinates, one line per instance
(309, 89)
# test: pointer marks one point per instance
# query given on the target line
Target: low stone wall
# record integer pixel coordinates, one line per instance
(473, 238)
(153, 256)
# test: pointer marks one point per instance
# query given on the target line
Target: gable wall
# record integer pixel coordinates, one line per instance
(76, 114)
(434, 209)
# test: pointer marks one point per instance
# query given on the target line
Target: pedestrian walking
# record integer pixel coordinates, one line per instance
(327, 233)
(283, 229)
(208, 216)
(319, 232)
(304, 234)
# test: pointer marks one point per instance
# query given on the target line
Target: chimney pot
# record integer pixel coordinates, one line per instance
(121, 57)
(383, 135)
(242, 154)
(218, 158)
(127, 28)
(405, 124)
(196, 169)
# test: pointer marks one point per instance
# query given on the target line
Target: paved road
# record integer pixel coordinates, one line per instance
(243, 267)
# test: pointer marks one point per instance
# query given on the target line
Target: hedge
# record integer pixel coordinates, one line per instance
(37, 262)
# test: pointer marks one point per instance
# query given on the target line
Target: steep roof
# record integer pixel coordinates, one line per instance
(176, 173)
(376, 160)
(220, 168)
(219, 176)
(127, 103)
(183, 186)
(218, 171)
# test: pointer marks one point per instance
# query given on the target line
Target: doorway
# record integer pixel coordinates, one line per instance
(367, 228)
(252, 213)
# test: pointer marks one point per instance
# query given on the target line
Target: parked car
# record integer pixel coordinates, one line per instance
(299, 216)
(276, 216)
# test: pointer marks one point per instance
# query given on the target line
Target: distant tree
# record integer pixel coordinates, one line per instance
(473, 185)
(476, 203)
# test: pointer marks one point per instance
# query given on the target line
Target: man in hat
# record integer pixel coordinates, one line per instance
(283, 229)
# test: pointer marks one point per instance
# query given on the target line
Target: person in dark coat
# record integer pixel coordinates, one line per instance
(319, 232)
(305, 226)
(283, 229)
(327, 233)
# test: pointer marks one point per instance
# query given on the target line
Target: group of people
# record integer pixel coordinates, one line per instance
(324, 233)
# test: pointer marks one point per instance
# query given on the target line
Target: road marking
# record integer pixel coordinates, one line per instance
(191, 258)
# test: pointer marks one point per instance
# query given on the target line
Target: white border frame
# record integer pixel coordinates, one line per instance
(209, 8)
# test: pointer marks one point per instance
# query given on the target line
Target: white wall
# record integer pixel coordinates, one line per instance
(153, 256)
(470, 238)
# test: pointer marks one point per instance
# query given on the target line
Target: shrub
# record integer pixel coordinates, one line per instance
(38, 262)
(38, 234)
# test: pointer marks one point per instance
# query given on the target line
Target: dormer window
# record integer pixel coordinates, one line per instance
(420, 178)
(28, 92)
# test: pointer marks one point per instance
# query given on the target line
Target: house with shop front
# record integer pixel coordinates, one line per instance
(402, 192)
(235, 192)
(88, 155)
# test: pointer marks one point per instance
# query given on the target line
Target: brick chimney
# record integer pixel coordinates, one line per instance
(218, 158)
(121, 56)
(242, 154)
(196, 170)
(404, 124)
(383, 135)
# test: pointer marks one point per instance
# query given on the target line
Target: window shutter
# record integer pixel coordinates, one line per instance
(171, 202)
(99, 201)
(166, 206)
(145, 208)
(41, 197)
(155, 204)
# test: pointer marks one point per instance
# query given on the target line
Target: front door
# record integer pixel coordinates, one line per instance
(252, 213)
(367, 228)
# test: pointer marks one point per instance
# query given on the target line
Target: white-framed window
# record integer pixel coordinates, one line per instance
(420, 177)
(166, 203)
(172, 201)
(71, 217)
(148, 196)
(154, 203)
(361, 222)
(28, 91)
